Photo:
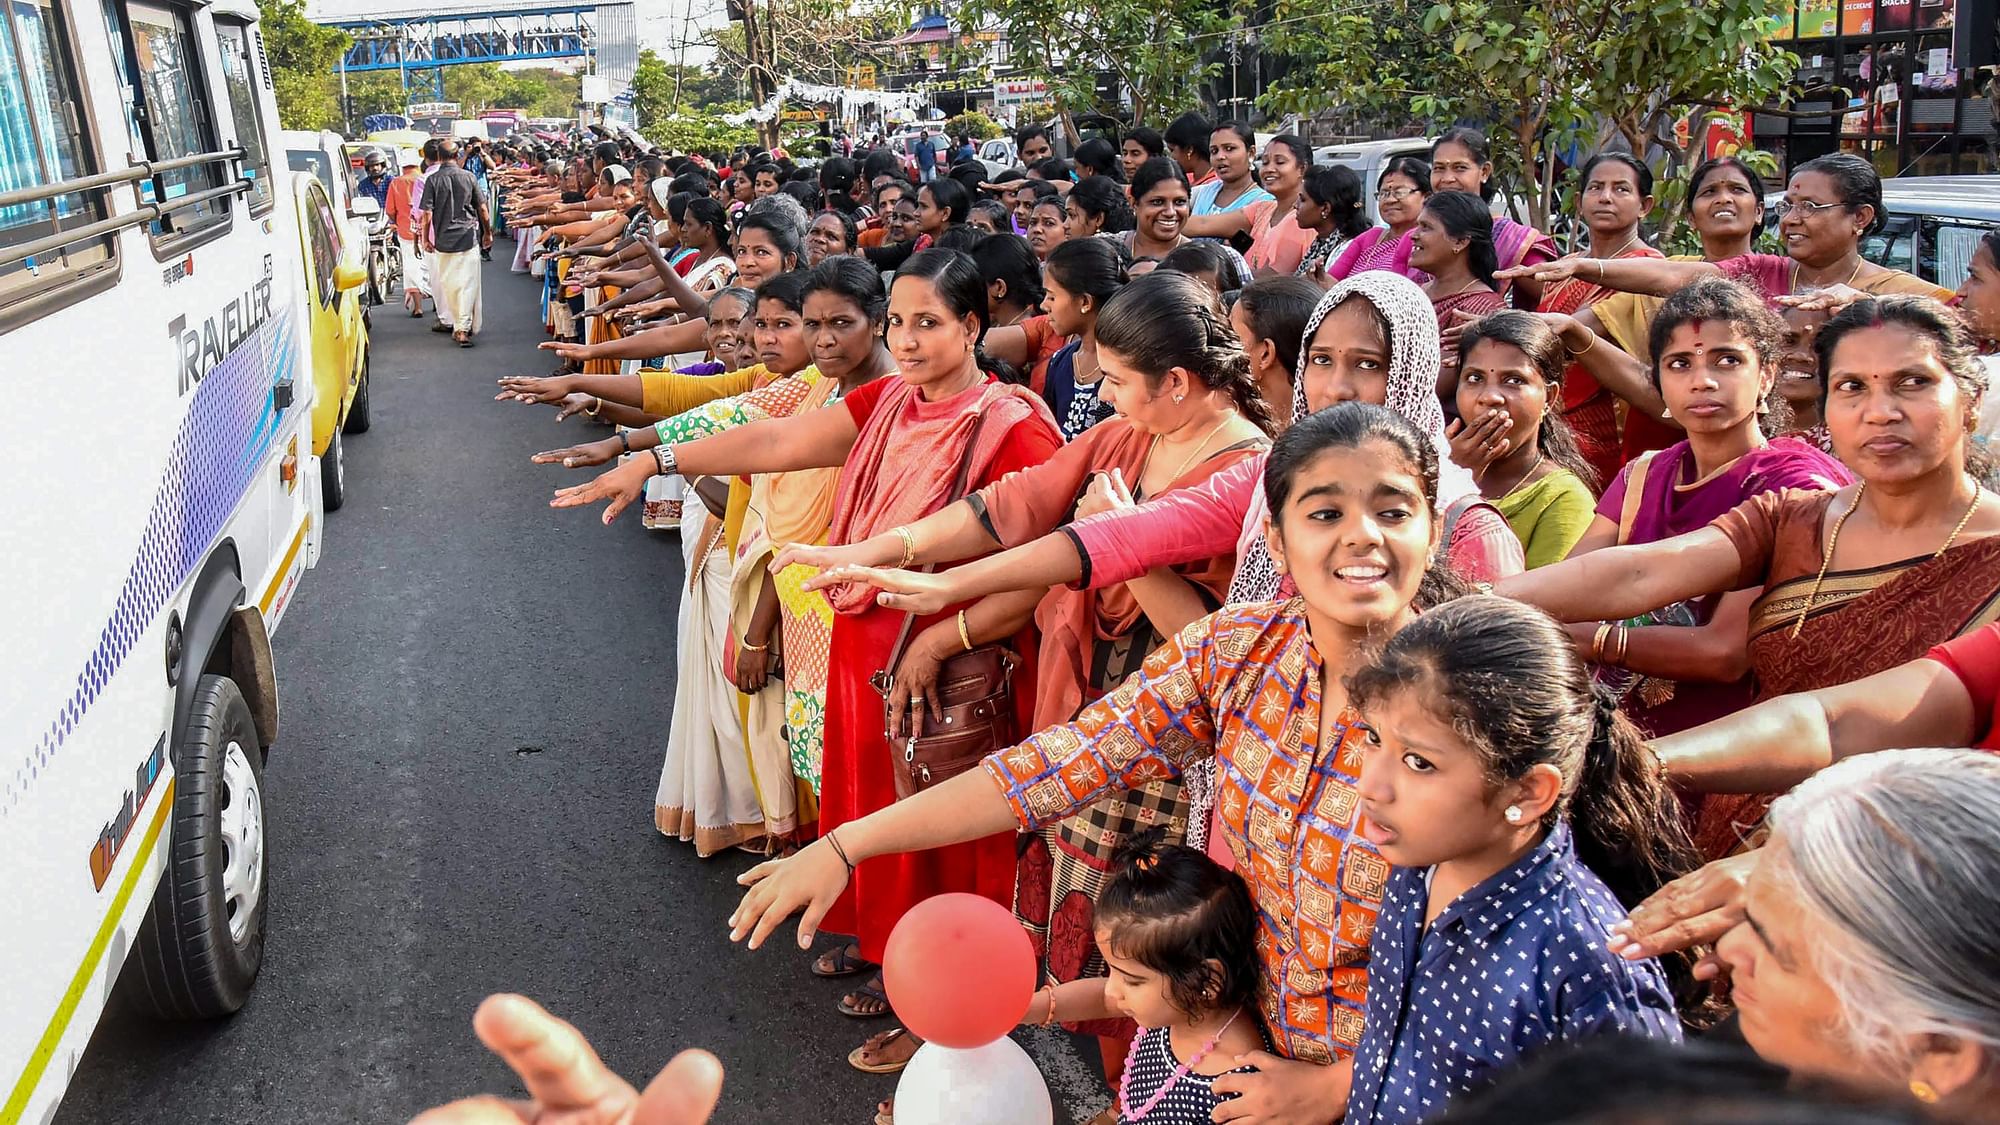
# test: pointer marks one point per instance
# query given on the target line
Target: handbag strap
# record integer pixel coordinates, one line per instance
(959, 490)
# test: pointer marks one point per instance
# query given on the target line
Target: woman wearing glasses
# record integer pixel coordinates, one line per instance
(1830, 205)
(1399, 197)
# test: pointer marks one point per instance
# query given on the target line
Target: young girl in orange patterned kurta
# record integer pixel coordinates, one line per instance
(1259, 688)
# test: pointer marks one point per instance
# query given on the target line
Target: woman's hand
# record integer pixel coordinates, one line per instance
(1106, 492)
(826, 557)
(1284, 1091)
(1547, 273)
(620, 487)
(577, 402)
(916, 685)
(1695, 909)
(567, 350)
(753, 668)
(1476, 446)
(567, 1082)
(1831, 299)
(810, 880)
(909, 591)
(535, 388)
(581, 456)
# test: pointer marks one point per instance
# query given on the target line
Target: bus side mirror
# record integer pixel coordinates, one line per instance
(364, 207)
(347, 276)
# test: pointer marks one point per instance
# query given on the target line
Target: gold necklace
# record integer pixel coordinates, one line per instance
(1832, 540)
(1190, 457)
(1849, 283)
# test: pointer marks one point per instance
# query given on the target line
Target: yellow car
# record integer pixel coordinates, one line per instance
(337, 324)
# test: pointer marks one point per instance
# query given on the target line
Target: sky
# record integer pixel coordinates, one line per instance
(669, 27)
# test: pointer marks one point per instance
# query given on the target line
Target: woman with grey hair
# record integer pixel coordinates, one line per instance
(1867, 930)
(1868, 947)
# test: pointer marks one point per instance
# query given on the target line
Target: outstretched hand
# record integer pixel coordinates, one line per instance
(534, 388)
(1831, 299)
(809, 880)
(907, 591)
(1695, 909)
(620, 487)
(579, 456)
(568, 1084)
(1561, 269)
(820, 557)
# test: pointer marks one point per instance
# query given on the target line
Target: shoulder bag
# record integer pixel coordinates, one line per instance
(975, 696)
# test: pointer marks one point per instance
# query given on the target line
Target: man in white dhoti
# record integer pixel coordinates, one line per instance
(456, 229)
(402, 211)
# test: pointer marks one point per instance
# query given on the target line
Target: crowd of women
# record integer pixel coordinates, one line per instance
(1361, 657)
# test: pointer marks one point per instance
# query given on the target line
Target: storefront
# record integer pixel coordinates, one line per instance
(1897, 94)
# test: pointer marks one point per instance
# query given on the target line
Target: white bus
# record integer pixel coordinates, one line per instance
(160, 504)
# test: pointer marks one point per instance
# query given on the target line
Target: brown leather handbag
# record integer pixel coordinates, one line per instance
(975, 692)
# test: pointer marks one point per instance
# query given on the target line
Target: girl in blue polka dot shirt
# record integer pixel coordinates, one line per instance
(1518, 810)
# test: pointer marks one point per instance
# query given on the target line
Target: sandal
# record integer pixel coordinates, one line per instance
(885, 1112)
(877, 1044)
(871, 991)
(843, 962)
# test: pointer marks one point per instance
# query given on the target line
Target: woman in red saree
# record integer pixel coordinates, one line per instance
(1617, 193)
(1188, 407)
(1855, 581)
(898, 443)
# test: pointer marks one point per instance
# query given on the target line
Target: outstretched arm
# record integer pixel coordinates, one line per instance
(817, 439)
(1621, 582)
(1780, 742)
(1659, 276)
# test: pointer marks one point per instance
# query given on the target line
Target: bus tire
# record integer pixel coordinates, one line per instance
(203, 941)
(333, 473)
(358, 420)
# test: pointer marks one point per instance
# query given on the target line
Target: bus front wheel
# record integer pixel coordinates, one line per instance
(203, 941)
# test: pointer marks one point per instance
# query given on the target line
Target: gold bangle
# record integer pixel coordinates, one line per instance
(964, 634)
(1597, 642)
(909, 547)
(1587, 350)
(1050, 1019)
(1623, 640)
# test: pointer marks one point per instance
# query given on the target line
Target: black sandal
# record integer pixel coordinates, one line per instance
(872, 990)
(847, 962)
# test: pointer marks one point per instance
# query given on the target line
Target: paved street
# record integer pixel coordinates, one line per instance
(476, 692)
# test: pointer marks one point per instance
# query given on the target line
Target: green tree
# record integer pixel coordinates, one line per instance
(1544, 78)
(1159, 49)
(976, 125)
(303, 56)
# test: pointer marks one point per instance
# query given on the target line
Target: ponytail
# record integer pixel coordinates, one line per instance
(1623, 814)
(1166, 320)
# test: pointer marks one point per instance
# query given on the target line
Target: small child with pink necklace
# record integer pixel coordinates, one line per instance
(1179, 934)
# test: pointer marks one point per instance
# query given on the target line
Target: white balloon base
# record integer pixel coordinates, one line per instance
(992, 1085)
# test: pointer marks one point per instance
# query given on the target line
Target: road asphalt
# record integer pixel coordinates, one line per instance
(476, 693)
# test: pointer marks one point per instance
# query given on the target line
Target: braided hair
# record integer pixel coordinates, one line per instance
(1166, 320)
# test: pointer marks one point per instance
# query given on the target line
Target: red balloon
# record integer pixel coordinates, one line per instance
(959, 970)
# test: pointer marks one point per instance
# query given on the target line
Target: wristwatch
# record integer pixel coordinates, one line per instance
(664, 454)
(624, 441)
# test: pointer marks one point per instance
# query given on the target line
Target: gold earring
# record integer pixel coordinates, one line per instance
(1923, 1091)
